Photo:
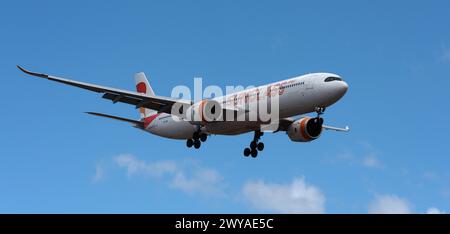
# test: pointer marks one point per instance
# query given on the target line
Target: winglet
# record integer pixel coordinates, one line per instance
(32, 73)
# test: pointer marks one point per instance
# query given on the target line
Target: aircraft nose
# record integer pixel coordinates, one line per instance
(343, 87)
(340, 88)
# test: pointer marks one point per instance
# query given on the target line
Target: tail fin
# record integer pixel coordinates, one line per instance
(142, 86)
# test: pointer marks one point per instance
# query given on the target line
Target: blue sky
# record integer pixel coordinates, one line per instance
(394, 55)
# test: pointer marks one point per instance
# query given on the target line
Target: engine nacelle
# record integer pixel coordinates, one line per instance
(204, 111)
(305, 129)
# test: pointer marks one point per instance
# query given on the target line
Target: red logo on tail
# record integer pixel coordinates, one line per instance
(141, 87)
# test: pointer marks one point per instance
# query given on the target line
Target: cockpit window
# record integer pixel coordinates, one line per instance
(331, 78)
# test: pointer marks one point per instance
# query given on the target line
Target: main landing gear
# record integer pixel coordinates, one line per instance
(255, 145)
(197, 139)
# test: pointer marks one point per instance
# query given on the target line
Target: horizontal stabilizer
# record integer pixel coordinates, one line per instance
(135, 122)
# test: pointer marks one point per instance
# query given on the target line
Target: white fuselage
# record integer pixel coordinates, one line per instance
(298, 95)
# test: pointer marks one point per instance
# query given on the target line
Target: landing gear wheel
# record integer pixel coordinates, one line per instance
(253, 145)
(254, 153)
(197, 144)
(195, 136)
(260, 146)
(189, 143)
(203, 137)
(247, 152)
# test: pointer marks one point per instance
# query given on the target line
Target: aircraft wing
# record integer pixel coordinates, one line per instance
(158, 103)
(284, 124)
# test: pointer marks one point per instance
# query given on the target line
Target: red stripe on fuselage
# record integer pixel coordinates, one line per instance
(149, 120)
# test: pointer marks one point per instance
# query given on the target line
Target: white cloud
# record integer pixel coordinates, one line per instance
(99, 173)
(297, 197)
(371, 158)
(434, 210)
(372, 161)
(204, 180)
(187, 177)
(392, 204)
(363, 155)
(429, 175)
(136, 166)
(389, 204)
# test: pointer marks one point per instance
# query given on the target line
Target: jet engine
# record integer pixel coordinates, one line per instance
(305, 129)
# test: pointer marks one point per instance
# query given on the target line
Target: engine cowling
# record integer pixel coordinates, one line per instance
(204, 111)
(305, 129)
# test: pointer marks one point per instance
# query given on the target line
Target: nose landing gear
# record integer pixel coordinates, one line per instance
(319, 110)
(255, 145)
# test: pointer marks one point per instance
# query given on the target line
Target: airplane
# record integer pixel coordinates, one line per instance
(194, 121)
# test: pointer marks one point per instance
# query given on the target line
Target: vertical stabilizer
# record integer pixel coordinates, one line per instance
(143, 86)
